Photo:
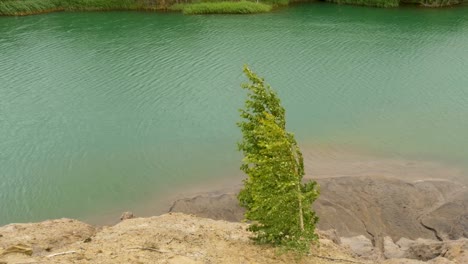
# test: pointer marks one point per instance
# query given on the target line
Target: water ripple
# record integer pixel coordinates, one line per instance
(98, 109)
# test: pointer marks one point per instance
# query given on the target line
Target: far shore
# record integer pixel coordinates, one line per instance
(10, 8)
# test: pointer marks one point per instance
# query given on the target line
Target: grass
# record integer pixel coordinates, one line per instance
(243, 7)
(376, 3)
(15, 7)
(396, 3)
(26, 7)
(440, 3)
(278, 2)
(90, 5)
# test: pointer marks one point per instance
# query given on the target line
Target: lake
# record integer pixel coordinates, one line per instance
(106, 112)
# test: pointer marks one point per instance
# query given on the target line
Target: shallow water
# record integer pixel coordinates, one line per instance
(100, 112)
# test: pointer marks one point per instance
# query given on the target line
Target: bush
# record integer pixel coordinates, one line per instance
(25, 7)
(275, 198)
(439, 3)
(15, 7)
(376, 3)
(84, 5)
(243, 7)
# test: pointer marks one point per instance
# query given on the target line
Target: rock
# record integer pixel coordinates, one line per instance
(20, 248)
(457, 251)
(126, 215)
(43, 236)
(179, 238)
(214, 206)
(392, 250)
(332, 235)
(429, 251)
(402, 261)
(450, 220)
(381, 207)
(404, 243)
(440, 260)
(373, 206)
(360, 245)
(183, 260)
(425, 251)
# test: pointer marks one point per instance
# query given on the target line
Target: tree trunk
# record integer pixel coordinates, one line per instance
(301, 215)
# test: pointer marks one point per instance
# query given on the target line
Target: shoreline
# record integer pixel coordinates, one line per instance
(169, 238)
(376, 216)
(178, 8)
(381, 208)
(376, 219)
(321, 162)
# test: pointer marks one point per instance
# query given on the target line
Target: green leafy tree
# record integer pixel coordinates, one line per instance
(277, 202)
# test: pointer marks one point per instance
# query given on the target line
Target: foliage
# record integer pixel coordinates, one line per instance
(25, 7)
(177, 7)
(376, 3)
(276, 2)
(15, 7)
(439, 3)
(89, 5)
(243, 7)
(277, 201)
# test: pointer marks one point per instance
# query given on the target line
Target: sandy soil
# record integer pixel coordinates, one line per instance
(169, 238)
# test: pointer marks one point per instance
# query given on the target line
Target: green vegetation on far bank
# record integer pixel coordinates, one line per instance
(396, 3)
(29, 7)
(242, 7)
(14, 7)
(376, 3)
(440, 3)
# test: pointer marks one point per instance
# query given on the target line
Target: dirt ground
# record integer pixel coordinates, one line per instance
(169, 238)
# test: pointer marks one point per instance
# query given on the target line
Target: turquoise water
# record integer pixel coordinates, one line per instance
(100, 112)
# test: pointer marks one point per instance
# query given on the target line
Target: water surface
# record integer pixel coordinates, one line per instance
(100, 112)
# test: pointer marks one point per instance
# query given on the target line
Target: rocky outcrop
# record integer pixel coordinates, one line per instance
(450, 219)
(45, 236)
(372, 206)
(20, 243)
(214, 206)
(379, 207)
(170, 238)
(370, 213)
(126, 215)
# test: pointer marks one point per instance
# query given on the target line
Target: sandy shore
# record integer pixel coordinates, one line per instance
(378, 207)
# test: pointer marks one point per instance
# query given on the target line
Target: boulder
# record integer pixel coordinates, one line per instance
(127, 215)
(214, 206)
(392, 250)
(376, 207)
(360, 245)
(41, 238)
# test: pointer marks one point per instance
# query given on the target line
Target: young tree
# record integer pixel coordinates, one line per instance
(277, 202)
